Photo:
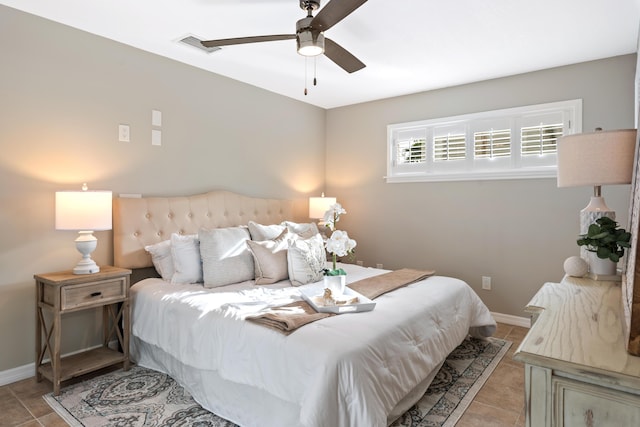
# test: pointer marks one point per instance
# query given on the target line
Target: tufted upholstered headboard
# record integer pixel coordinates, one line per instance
(148, 220)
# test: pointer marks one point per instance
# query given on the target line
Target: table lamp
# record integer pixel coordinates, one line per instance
(86, 212)
(596, 159)
(319, 205)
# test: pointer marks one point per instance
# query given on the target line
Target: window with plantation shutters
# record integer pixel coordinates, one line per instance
(492, 143)
(449, 147)
(512, 143)
(412, 151)
(541, 139)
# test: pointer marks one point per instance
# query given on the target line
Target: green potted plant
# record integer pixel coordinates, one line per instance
(606, 241)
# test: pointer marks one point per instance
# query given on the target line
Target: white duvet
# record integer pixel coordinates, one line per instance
(347, 370)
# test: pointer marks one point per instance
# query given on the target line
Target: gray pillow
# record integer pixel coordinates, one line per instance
(225, 256)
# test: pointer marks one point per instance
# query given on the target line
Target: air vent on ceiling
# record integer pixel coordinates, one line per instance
(195, 42)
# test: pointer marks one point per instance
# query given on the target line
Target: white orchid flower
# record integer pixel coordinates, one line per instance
(332, 215)
(340, 244)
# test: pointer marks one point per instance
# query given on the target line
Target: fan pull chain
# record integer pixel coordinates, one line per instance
(305, 76)
(315, 62)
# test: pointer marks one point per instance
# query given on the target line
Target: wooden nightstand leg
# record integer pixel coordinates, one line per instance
(39, 330)
(38, 343)
(106, 336)
(126, 326)
(55, 354)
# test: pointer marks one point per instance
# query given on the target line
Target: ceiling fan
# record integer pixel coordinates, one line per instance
(310, 33)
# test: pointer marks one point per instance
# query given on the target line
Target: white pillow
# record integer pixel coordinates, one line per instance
(225, 256)
(185, 251)
(270, 258)
(162, 259)
(306, 259)
(304, 230)
(261, 232)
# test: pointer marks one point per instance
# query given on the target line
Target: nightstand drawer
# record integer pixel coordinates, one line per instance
(77, 296)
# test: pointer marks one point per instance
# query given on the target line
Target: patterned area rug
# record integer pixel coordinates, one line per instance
(142, 397)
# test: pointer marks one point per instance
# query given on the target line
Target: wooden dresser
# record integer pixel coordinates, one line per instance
(577, 371)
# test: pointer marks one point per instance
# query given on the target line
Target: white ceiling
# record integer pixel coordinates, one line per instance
(408, 45)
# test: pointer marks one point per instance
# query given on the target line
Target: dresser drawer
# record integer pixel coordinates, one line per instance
(86, 295)
(582, 404)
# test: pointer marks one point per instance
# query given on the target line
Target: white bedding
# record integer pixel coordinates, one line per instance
(347, 370)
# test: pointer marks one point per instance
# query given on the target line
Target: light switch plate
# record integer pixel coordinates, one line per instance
(156, 137)
(156, 118)
(123, 133)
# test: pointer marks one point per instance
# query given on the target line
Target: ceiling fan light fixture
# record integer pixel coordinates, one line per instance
(308, 45)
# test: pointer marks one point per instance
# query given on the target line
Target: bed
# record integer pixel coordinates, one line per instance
(354, 369)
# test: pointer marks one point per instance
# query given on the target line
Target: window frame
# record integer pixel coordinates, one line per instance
(515, 166)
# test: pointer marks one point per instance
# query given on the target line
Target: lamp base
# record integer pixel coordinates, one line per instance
(85, 244)
(596, 208)
(84, 267)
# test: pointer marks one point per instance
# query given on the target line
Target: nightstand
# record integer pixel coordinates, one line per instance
(65, 292)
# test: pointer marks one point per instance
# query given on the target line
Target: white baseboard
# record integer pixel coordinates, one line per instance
(17, 374)
(27, 371)
(524, 322)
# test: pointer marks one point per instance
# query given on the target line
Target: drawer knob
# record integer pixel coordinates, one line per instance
(96, 294)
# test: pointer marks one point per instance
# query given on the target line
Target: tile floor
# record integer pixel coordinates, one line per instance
(500, 402)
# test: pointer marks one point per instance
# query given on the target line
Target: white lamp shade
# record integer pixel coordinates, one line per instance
(597, 158)
(319, 205)
(83, 210)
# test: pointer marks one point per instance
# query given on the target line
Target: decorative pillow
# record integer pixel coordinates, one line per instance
(304, 230)
(261, 232)
(270, 258)
(306, 259)
(162, 259)
(225, 256)
(185, 251)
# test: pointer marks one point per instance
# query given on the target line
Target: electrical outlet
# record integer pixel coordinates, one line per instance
(360, 263)
(486, 283)
(378, 265)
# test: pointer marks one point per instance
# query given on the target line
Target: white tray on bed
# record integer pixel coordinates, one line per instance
(313, 295)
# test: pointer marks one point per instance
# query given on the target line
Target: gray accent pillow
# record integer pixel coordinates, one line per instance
(225, 256)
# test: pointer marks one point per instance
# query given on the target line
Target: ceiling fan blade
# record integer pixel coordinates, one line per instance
(334, 12)
(341, 56)
(244, 40)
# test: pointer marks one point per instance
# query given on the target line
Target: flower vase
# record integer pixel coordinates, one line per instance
(336, 284)
(599, 266)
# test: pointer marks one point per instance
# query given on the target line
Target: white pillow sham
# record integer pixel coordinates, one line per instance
(185, 251)
(306, 258)
(162, 259)
(261, 232)
(305, 230)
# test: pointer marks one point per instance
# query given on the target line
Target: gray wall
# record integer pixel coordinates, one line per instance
(63, 93)
(519, 232)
